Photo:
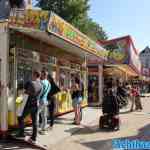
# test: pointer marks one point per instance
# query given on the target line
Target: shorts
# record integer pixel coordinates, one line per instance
(76, 101)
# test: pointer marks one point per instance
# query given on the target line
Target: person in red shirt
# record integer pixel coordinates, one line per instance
(135, 94)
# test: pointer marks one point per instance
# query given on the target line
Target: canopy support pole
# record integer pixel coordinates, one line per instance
(4, 46)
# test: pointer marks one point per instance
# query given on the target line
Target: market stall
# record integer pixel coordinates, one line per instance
(41, 39)
(123, 60)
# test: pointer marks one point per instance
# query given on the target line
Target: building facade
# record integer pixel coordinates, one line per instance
(145, 57)
(145, 69)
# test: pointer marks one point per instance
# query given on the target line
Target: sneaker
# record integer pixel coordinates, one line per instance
(43, 132)
(32, 141)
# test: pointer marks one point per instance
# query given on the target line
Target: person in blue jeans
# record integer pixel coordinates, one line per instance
(43, 102)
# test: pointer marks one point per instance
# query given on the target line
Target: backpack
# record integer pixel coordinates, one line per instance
(54, 90)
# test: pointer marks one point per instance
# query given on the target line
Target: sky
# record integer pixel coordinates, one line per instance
(123, 17)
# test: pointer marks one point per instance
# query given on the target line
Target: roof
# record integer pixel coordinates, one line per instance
(127, 37)
(145, 50)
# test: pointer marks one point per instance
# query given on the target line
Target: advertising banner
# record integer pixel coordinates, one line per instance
(117, 52)
(31, 19)
(122, 51)
(66, 31)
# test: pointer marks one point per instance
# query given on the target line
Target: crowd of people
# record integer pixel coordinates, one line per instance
(118, 95)
(40, 103)
(40, 100)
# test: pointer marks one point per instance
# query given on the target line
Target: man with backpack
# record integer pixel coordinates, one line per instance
(33, 89)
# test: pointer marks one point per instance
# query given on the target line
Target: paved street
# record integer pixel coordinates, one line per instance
(133, 126)
(64, 136)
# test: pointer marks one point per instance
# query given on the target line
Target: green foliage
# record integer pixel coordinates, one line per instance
(93, 30)
(75, 12)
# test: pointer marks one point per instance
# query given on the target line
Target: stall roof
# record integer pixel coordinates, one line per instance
(50, 28)
(122, 51)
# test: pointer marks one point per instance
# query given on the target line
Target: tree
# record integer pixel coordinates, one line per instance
(76, 13)
(70, 10)
(93, 30)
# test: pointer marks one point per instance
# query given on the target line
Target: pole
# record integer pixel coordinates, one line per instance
(4, 45)
(100, 83)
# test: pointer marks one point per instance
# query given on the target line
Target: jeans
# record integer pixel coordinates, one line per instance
(32, 110)
(51, 108)
(42, 110)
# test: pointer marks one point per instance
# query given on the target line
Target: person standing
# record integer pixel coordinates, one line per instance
(33, 90)
(51, 99)
(77, 98)
(43, 101)
(135, 92)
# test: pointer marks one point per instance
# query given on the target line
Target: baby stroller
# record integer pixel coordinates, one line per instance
(110, 118)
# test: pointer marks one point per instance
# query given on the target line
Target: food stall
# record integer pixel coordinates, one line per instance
(41, 39)
(122, 64)
(123, 60)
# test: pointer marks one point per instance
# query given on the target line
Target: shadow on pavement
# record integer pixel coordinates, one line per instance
(16, 145)
(65, 121)
(143, 135)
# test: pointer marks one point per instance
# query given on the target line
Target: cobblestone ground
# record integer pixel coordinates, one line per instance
(135, 125)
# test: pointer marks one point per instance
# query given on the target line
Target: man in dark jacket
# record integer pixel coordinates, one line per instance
(51, 98)
(33, 89)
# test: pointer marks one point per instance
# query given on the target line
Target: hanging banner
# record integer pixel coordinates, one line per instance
(66, 31)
